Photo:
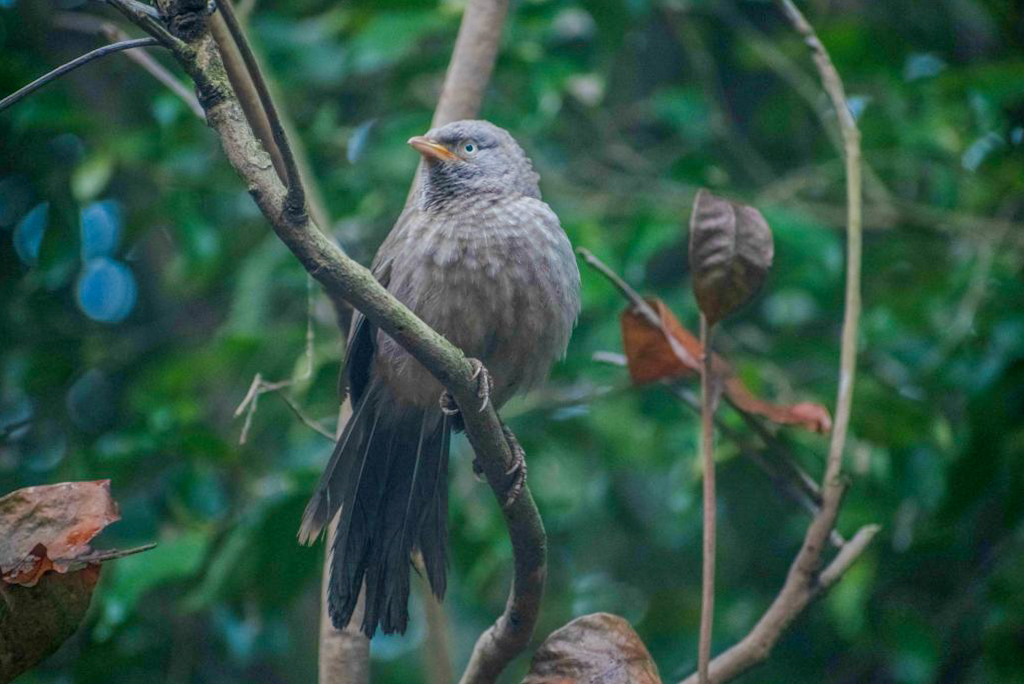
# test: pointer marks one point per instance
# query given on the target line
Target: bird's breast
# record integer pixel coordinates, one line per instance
(499, 280)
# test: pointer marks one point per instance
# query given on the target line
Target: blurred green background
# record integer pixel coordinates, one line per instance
(141, 291)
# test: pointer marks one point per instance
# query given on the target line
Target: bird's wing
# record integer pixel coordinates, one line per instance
(355, 373)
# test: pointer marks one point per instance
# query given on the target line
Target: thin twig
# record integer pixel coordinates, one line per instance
(35, 85)
(309, 422)
(259, 386)
(85, 23)
(295, 199)
(707, 450)
(639, 303)
(141, 18)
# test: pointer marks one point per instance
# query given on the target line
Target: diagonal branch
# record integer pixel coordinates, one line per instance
(343, 277)
(35, 85)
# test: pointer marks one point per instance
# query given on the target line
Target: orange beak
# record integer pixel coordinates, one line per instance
(431, 149)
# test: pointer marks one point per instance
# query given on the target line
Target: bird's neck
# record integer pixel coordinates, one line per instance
(440, 196)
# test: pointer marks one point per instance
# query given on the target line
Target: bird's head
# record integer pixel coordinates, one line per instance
(470, 158)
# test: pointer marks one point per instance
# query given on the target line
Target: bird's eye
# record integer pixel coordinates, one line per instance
(469, 148)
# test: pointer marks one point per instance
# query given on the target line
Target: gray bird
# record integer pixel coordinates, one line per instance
(481, 259)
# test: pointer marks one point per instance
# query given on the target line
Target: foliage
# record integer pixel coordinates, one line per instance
(142, 291)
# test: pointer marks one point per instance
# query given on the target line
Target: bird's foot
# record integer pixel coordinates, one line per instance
(484, 385)
(517, 471)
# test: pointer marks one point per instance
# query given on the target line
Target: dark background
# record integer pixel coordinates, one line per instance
(141, 291)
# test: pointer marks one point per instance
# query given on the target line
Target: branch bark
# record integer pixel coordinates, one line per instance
(805, 581)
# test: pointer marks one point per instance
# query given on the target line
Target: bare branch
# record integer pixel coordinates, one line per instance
(849, 553)
(639, 303)
(344, 653)
(245, 91)
(436, 660)
(805, 581)
(469, 71)
(35, 85)
(141, 15)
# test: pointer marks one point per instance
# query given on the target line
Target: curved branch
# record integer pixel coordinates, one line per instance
(35, 85)
(805, 580)
(343, 277)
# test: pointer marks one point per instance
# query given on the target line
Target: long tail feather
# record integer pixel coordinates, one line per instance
(327, 496)
(394, 499)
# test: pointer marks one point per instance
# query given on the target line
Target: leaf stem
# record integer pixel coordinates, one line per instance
(707, 411)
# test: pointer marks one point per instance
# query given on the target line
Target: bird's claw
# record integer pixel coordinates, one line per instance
(484, 384)
(517, 471)
(448, 405)
(483, 391)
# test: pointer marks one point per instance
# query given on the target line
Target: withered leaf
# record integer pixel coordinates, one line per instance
(49, 526)
(594, 649)
(808, 415)
(36, 620)
(48, 570)
(654, 353)
(670, 351)
(731, 250)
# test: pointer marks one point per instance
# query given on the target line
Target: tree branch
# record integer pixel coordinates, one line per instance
(35, 85)
(342, 276)
(245, 91)
(804, 581)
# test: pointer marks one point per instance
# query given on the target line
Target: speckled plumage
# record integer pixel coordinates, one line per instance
(481, 259)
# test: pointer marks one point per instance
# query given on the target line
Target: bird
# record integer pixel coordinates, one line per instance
(483, 260)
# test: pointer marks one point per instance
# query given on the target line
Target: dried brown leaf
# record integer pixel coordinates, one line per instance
(731, 250)
(42, 529)
(36, 620)
(49, 526)
(808, 415)
(655, 353)
(593, 649)
(670, 351)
